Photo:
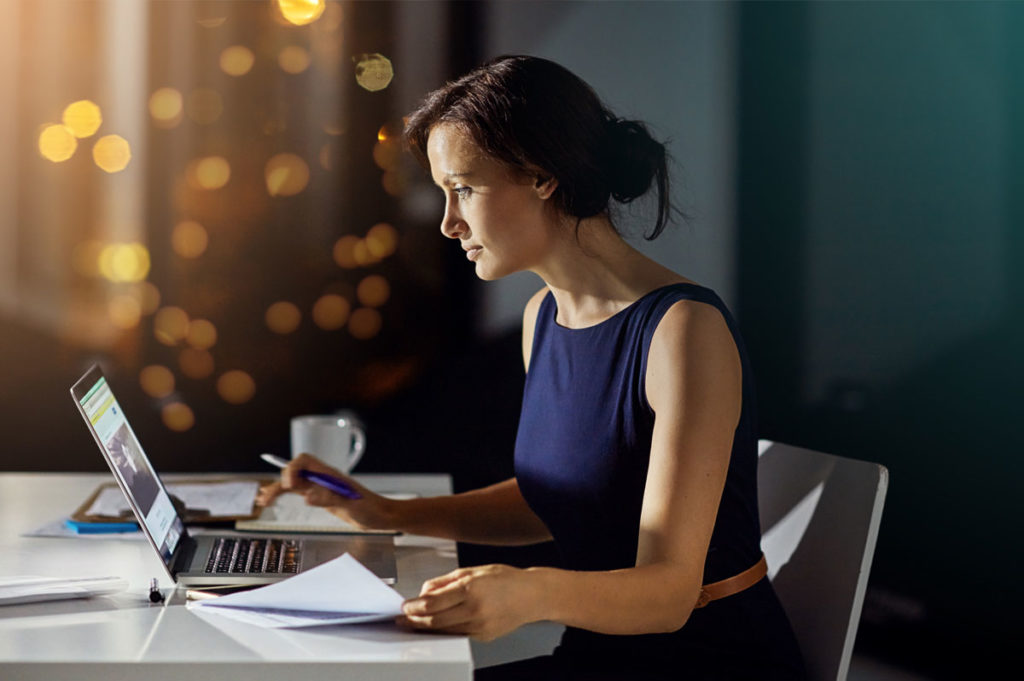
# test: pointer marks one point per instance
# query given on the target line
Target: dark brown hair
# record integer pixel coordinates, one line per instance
(536, 117)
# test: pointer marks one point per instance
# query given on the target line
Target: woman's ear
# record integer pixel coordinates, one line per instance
(545, 186)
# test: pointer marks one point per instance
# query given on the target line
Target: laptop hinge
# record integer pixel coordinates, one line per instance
(181, 560)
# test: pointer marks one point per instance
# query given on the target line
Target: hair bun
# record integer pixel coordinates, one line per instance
(635, 159)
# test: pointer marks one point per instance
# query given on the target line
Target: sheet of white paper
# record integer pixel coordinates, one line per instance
(292, 509)
(291, 513)
(29, 589)
(337, 592)
(220, 499)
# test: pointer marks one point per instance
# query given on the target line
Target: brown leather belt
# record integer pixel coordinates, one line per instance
(733, 585)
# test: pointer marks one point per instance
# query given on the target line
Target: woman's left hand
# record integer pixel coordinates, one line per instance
(484, 602)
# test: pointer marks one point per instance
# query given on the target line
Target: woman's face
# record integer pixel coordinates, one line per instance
(503, 223)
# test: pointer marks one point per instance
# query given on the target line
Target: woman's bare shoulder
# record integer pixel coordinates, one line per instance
(530, 321)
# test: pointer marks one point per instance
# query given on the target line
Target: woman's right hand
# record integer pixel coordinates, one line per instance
(370, 512)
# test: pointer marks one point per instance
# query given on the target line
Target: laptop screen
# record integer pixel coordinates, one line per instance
(130, 464)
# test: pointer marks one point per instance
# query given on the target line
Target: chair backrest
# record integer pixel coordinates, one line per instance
(819, 522)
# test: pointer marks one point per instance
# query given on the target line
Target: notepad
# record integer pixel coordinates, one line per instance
(291, 513)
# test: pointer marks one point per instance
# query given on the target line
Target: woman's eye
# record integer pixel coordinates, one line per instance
(462, 192)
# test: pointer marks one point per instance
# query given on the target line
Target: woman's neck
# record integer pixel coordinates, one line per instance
(593, 273)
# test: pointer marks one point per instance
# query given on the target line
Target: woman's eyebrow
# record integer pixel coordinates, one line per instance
(448, 177)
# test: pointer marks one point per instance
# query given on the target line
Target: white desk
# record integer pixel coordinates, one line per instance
(125, 637)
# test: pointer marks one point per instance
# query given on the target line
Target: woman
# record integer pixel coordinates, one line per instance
(636, 449)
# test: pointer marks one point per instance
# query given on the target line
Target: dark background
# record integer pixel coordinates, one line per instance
(877, 154)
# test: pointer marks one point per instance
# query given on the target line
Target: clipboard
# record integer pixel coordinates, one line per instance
(188, 515)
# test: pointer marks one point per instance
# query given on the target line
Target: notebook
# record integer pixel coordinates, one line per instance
(208, 558)
(291, 513)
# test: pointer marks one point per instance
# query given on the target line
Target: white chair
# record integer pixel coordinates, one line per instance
(819, 521)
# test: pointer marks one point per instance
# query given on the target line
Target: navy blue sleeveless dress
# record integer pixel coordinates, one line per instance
(581, 459)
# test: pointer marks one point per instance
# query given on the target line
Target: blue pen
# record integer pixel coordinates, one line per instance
(327, 481)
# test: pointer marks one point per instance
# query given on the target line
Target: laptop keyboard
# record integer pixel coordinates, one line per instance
(241, 555)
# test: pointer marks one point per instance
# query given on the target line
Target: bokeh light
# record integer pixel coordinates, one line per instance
(301, 12)
(149, 297)
(394, 183)
(326, 157)
(286, 175)
(210, 172)
(382, 240)
(344, 251)
(373, 71)
(189, 239)
(82, 118)
(236, 387)
(386, 153)
(156, 381)
(293, 59)
(365, 323)
(202, 334)
(196, 363)
(124, 262)
(204, 106)
(170, 325)
(362, 255)
(283, 317)
(331, 311)
(178, 416)
(112, 153)
(237, 60)
(124, 311)
(57, 143)
(166, 106)
(373, 291)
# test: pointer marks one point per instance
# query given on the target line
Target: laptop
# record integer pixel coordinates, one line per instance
(207, 558)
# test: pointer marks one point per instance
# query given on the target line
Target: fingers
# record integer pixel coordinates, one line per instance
(446, 609)
(442, 581)
(316, 495)
(448, 623)
(290, 474)
(266, 494)
(438, 600)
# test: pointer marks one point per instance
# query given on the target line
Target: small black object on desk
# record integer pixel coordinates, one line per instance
(155, 595)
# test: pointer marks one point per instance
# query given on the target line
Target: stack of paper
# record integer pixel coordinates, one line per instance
(30, 589)
(341, 591)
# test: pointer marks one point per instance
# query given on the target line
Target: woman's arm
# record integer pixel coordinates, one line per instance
(694, 386)
(496, 514)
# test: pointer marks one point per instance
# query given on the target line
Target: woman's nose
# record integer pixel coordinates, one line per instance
(452, 224)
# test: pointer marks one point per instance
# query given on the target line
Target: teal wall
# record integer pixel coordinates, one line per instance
(880, 251)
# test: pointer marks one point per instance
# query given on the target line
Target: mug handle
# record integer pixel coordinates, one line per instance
(358, 446)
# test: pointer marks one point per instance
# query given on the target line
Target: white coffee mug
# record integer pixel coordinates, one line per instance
(334, 439)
